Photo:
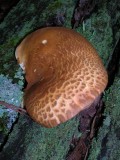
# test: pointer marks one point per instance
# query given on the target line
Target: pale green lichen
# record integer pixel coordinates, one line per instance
(10, 93)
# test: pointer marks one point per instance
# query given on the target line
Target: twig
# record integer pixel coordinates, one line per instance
(13, 107)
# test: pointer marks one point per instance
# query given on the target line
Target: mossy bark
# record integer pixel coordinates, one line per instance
(29, 140)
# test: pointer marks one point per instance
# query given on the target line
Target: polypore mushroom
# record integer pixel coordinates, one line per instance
(64, 74)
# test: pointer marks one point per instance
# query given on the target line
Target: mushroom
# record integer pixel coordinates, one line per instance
(64, 74)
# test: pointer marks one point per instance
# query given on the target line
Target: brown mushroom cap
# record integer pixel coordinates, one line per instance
(64, 74)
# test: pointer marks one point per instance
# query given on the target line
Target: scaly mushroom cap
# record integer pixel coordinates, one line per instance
(64, 74)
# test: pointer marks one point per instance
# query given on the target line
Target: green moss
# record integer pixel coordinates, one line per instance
(30, 141)
(55, 141)
(60, 6)
(54, 5)
(98, 31)
(7, 60)
(3, 126)
(52, 9)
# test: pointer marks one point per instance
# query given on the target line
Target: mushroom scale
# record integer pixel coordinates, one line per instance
(64, 74)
